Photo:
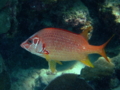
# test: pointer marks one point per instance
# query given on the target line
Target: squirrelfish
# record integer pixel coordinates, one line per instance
(57, 45)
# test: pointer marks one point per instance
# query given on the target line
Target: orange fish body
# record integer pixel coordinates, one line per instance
(61, 45)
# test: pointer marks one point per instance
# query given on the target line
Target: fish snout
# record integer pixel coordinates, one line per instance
(24, 45)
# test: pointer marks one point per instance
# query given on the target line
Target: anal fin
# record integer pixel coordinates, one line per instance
(87, 62)
(58, 62)
(51, 63)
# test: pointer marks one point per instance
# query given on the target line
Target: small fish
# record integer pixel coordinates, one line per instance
(57, 45)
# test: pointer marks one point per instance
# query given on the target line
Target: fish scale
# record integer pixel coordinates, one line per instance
(63, 46)
(60, 47)
(57, 45)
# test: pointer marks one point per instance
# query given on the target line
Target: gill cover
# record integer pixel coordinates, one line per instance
(37, 45)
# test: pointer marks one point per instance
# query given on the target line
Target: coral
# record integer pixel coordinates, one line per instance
(114, 5)
(78, 14)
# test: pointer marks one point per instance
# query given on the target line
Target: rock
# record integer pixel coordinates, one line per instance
(114, 5)
(116, 61)
(4, 77)
(73, 68)
(4, 21)
(30, 79)
(3, 3)
(114, 82)
(101, 69)
(8, 21)
(118, 88)
(68, 82)
(100, 76)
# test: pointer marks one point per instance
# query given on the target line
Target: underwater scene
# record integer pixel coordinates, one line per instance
(59, 44)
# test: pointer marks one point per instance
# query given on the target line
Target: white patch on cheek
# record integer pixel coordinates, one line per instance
(40, 47)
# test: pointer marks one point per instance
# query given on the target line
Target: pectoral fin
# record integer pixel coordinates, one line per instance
(47, 57)
(52, 65)
(87, 62)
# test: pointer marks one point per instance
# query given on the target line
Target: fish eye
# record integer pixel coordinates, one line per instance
(29, 41)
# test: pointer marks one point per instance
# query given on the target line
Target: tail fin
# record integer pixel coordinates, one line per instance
(102, 51)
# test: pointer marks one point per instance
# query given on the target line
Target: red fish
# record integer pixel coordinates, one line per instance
(57, 45)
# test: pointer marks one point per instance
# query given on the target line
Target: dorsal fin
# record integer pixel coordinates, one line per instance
(52, 28)
(86, 30)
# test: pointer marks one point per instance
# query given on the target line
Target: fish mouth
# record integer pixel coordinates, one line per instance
(25, 46)
(22, 45)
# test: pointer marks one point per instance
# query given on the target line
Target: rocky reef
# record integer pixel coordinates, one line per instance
(38, 79)
(19, 19)
(8, 21)
(68, 82)
(4, 76)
